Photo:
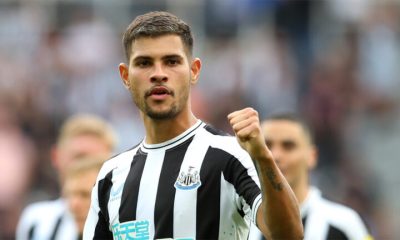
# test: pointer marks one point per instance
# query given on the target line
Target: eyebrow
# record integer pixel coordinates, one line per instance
(169, 56)
(172, 56)
(141, 58)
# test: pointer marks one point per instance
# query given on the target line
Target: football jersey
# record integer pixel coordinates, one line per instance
(198, 185)
(47, 220)
(326, 220)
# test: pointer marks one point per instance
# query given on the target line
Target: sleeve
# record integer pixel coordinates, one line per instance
(25, 224)
(244, 177)
(97, 224)
(357, 229)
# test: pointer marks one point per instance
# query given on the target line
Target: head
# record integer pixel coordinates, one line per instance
(80, 177)
(290, 140)
(82, 136)
(160, 68)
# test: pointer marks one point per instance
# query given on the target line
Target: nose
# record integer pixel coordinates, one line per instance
(158, 74)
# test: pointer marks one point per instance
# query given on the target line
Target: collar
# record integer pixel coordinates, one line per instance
(174, 141)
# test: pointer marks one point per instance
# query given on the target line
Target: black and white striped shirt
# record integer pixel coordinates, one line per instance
(47, 220)
(326, 220)
(199, 185)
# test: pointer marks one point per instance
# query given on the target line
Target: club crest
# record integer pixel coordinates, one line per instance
(188, 180)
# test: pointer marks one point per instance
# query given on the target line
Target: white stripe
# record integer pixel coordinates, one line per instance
(256, 204)
(231, 225)
(118, 179)
(92, 218)
(148, 188)
(316, 226)
(186, 200)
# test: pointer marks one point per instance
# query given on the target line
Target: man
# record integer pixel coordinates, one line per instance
(80, 178)
(80, 136)
(185, 180)
(292, 146)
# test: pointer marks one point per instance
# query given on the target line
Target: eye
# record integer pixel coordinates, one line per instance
(288, 145)
(143, 63)
(172, 62)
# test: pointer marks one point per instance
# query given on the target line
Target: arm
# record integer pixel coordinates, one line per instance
(278, 216)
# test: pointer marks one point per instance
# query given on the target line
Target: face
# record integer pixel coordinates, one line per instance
(77, 147)
(159, 75)
(291, 148)
(77, 191)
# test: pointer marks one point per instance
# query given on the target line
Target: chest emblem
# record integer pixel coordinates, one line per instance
(188, 180)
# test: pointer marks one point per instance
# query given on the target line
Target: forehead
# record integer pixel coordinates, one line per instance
(86, 138)
(157, 46)
(283, 130)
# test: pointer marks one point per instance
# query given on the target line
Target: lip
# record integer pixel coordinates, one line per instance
(158, 92)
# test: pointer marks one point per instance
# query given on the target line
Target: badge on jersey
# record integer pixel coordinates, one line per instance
(188, 180)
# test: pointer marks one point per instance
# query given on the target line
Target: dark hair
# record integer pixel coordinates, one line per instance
(155, 24)
(291, 117)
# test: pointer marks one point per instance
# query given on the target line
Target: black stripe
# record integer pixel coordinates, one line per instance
(208, 194)
(130, 193)
(56, 227)
(102, 227)
(336, 234)
(236, 174)
(303, 221)
(31, 232)
(102, 231)
(169, 144)
(164, 207)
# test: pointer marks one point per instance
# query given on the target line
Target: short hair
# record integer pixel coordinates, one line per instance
(84, 165)
(86, 124)
(155, 24)
(292, 117)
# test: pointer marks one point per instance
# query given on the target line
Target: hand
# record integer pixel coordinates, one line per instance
(246, 125)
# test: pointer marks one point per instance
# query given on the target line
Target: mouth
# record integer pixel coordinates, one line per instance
(158, 92)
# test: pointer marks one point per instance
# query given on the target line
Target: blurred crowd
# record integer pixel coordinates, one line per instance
(334, 62)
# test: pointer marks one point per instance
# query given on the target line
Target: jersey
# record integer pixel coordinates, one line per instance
(198, 185)
(323, 220)
(47, 220)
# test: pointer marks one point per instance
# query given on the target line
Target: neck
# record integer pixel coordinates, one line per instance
(301, 190)
(158, 131)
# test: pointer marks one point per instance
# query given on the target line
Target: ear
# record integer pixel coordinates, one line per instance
(195, 70)
(124, 73)
(313, 158)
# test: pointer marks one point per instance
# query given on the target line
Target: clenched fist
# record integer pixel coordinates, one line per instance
(246, 125)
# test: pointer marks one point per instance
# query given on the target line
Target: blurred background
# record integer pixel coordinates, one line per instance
(337, 63)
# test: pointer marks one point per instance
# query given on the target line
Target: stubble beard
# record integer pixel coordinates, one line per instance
(174, 109)
(161, 115)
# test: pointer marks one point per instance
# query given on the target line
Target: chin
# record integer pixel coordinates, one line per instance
(162, 115)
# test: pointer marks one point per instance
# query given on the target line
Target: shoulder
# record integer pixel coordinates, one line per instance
(44, 207)
(121, 159)
(225, 146)
(344, 219)
(43, 210)
(223, 141)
